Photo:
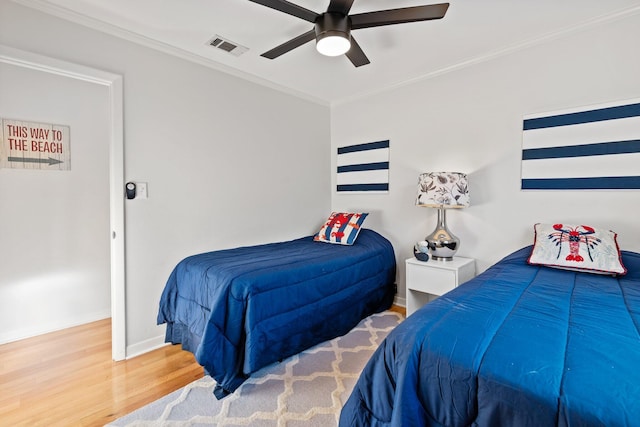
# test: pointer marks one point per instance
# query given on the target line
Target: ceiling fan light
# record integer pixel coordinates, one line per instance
(333, 44)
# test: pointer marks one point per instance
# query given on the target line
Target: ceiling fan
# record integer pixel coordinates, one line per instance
(332, 29)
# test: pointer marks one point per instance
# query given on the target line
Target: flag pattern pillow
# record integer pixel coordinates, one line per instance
(341, 228)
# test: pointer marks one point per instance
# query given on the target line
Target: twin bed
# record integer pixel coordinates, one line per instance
(241, 309)
(519, 345)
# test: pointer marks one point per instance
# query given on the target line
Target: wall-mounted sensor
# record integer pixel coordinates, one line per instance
(130, 190)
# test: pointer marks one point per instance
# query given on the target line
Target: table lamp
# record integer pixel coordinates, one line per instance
(442, 190)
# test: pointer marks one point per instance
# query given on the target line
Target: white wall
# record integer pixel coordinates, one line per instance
(228, 162)
(470, 120)
(54, 226)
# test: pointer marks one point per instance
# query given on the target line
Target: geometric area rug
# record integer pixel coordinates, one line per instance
(307, 389)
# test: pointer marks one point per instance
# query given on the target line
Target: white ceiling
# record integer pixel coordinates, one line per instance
(471, 31)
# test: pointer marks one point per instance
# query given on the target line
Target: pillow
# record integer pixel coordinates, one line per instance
(341, 228)
(577, 247)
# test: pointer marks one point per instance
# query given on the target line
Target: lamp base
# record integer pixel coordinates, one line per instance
(442, 243)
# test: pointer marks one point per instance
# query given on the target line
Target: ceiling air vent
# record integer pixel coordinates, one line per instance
(227, 45)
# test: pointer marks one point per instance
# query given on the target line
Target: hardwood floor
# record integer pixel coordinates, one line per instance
(67, 378)
(398, 309)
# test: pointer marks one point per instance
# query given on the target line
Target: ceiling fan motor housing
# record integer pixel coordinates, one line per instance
(331, 24)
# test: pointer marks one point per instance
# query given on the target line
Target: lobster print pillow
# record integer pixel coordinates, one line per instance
(577, 247)
(341, 228)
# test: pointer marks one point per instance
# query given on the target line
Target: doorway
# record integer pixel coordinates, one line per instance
(114, 85)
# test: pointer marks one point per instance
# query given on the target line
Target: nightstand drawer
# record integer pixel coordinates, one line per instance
(431, 281)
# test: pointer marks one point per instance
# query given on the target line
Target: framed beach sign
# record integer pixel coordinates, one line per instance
(34, 145)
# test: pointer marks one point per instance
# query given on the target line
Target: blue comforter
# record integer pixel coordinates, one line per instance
(241, 309)
(518, 345)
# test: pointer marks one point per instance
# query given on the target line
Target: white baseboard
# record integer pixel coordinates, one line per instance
(402, 302)
(158, 341)
(145, 346)
(53, 325)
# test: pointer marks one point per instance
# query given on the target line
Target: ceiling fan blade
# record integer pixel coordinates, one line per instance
(340, 6)
(290, 45)
(356, 55)
(398, 16)
(289, 8)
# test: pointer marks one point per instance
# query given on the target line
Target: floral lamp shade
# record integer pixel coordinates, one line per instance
(443, 189)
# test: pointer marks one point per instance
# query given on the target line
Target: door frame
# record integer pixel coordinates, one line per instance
(114, 83)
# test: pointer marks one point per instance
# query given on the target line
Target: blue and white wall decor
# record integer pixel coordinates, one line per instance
(363, 167)
(594, 148)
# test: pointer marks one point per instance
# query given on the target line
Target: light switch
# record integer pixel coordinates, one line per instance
(141, 190)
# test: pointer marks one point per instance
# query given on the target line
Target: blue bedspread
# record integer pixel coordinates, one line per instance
(241, 309)
(518, 345)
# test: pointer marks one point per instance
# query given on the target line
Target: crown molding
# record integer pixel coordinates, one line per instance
(95, 24)
(114, 30)
(508, 50)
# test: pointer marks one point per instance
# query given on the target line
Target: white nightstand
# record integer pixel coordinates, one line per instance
(428, 280)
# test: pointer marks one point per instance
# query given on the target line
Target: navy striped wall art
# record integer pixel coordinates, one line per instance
(595, 148)
(363, 168)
